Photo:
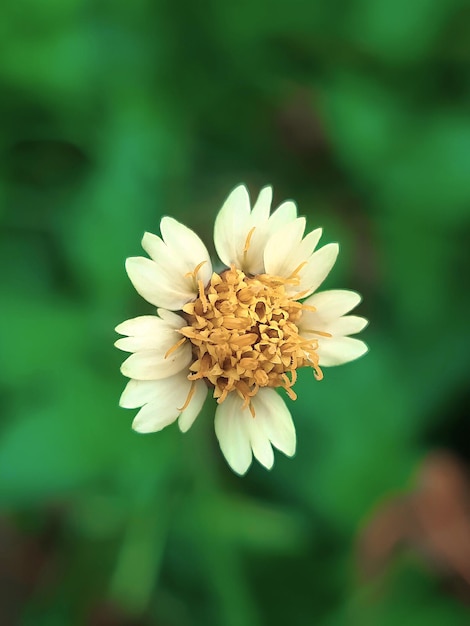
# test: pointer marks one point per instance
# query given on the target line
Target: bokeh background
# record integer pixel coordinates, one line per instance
(113, 114)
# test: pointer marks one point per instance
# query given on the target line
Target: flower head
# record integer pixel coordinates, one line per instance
(241, 333)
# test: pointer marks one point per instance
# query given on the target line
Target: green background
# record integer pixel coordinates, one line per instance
(113, 114)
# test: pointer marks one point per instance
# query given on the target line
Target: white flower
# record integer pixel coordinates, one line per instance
(240, 333)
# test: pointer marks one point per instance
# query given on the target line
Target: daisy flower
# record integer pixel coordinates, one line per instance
(241, 333)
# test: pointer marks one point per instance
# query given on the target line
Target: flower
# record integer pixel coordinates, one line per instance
(241, 333)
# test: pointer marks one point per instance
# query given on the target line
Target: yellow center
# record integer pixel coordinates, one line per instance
(244, 334)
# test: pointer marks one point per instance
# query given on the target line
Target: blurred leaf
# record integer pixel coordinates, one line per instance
(410, 597)
(430, 174)
(398, 31)
(353, 445)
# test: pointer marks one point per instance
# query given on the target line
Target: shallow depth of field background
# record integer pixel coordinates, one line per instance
(115, 114)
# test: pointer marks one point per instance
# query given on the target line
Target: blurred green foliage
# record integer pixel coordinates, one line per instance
(114, 114)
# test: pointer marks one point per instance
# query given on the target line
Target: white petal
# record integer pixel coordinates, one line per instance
(145, 277)
(166, 397)
(179, 254)
(258, 224)
(259, 439)
(232, 433)
(300, 251)
(230, 229)
(281, 246)
(314, 273)
(346, 325)
(152, 364)
(136, 344)
(140, 392)
(333, 303)
(177, 262)
(275, 419)
(260, 212)
(284, 214)
(240, 235)
(339, 350)
(145, 324)
(188, 416)
(159, 286)
(172, 319)
(239, 432)
(175, 259)
(154, 417)
(154, 246)
(307, 246)
(253, 259)
(187, 249)
(148, 332)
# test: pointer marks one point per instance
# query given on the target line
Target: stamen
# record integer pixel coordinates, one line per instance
(248, 240)
(308, 307)
(291, 393)
(322, 333)
(308, 342)
(294, 274)
(294, 377)
(202, 295)
(245, 340)
(189, 398)
(261, 378)
(286, 380)
(244, 334)
(223, 396)
(175, 347)
(195, 270)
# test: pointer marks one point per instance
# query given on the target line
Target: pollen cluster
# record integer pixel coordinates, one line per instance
(244, 335)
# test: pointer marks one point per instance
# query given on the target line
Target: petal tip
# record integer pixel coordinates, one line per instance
(124, 369)
(145, 237)
(268, 465)
(290, 450)
(118, 329)
(240, 471)
(129, 262)
(132, 263)
(238, 192)
(139, 428)
(117, 344)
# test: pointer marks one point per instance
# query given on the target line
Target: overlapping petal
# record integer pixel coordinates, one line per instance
(161, 402)
(188, 416)
(333, 303)
(150, 339)
(241, 435)
(339, 350)
(231, 429)
(329, 317)
(241, 234)
(292, 256)
(167, 279)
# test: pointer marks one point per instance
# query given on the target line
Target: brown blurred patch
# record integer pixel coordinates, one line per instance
(27, 564)
(107, 614)
(301, 127)
(433, 520)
